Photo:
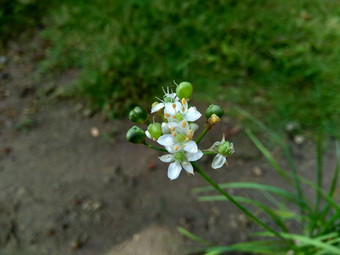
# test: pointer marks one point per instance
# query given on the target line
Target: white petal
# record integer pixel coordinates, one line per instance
(167, 158)
(218, 161)
(166, 140)
(194, 156)
(157, 107)
(165, 128)
(183, 127)
(169, 108)
(194, 127)
(174, 170)
(214, 146)
(192, 114)
(148, 134)
(190, 147)
(188, 167)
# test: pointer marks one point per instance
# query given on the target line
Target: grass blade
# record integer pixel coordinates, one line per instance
(192, 236)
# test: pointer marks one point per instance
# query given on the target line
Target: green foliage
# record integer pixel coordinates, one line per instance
(16, 15)
(318, 219)
(280, 55)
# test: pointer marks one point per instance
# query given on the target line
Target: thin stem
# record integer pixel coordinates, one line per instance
(154, 147)
(231, 199)
(208, 152)
(200, 137)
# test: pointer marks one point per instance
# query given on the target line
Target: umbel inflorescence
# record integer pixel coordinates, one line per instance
(177, 130)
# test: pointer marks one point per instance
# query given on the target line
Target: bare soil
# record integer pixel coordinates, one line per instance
(71, 184)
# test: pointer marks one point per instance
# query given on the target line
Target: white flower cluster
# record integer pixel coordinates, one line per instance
(176, 135)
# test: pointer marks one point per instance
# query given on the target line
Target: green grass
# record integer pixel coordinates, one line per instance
(278, 59)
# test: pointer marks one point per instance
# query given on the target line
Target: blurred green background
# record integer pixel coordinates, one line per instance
(279, 60)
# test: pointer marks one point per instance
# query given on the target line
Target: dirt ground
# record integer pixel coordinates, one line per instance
(71, 184)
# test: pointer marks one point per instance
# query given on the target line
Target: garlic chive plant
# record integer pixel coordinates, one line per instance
(178, 135)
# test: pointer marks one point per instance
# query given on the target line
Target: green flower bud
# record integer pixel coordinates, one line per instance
(184, 90)
(155, 130)
(135, 135)
(226, 148)
(214, 109)
(138, 115)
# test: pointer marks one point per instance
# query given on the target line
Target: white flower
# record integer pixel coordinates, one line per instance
(178, 111)
(174, 144)
(223, 149)
(180, 159)
(168, 98)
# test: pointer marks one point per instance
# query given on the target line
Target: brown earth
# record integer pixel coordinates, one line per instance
(71, 184)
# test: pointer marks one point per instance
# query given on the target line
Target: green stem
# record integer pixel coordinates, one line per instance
(231, 199)
(200, 137)
(208, 152)
(154, 147)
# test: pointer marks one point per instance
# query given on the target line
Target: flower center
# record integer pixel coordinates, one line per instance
(179, 116)
(181, 138)
(168, 100)
(179, 156)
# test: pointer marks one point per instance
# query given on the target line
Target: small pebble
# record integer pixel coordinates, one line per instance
(299, 139)
(95, 132)
(257, 171)
(76, 244)
(151, 165)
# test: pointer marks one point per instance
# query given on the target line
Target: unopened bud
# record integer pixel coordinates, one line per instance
(138, 115)
(155, 130)
(184, 90)
(214, 109)
(135, 135)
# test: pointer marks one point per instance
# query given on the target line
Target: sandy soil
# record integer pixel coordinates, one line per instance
(71, 184)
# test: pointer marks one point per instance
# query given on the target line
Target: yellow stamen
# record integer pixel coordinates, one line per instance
(187, 139)
(174, 116)
(190, 134)
(183, 109)
(167, 115)
(172, 129)
(183, 101)
(174, 134)
(174, 106)
(176, 148)
(184, 124)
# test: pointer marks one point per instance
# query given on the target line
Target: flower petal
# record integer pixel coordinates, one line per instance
(166, 140)
(157, 107)
(165, 128)
(188, 167)
(167, 158)
(192, 114)
(194, 156)
(218, 161)
(174, 170)
(190, 147)
(148, 134)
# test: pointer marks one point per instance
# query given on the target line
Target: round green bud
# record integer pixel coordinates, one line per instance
(214, 109)
(155, 130)
(138, 115)
(184, 90)
(135, 135)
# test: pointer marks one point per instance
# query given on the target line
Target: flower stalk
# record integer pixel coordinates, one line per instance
(232, 200)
